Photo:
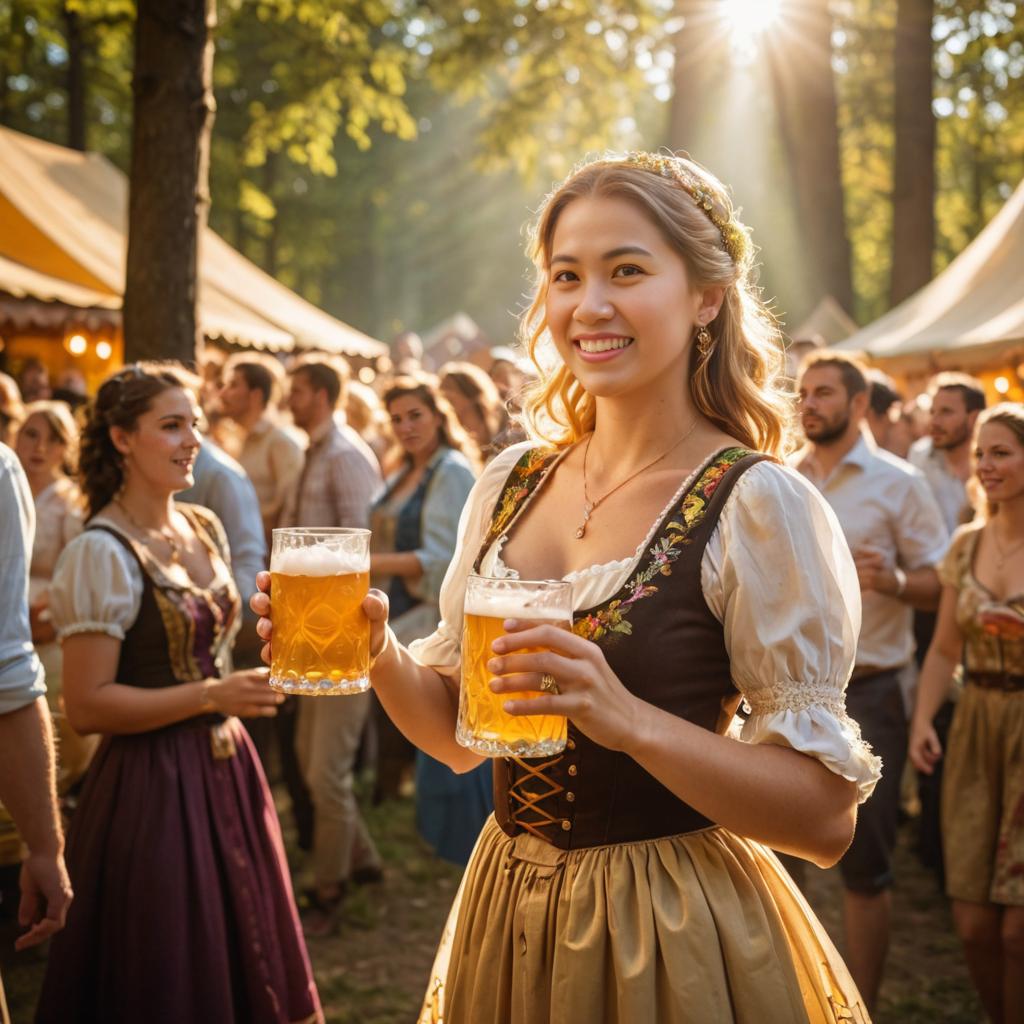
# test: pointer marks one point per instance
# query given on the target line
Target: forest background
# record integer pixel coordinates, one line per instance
(382, 157)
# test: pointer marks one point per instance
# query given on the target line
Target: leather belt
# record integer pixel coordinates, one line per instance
(995, 681)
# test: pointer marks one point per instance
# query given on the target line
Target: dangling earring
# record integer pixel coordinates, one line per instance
(705, 343)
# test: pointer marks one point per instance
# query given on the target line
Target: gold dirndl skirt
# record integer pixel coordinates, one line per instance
(702, 928)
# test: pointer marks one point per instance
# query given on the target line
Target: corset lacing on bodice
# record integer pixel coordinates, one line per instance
(525, 804)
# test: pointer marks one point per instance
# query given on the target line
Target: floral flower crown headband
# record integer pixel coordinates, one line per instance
(734, 235)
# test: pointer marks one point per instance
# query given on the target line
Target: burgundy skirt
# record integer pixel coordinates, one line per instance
(183, 906)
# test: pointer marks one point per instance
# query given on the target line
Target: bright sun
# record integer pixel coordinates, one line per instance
(751, 17)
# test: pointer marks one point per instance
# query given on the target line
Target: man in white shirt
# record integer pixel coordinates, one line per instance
(27, 770)
(945, 455)
(897, 537)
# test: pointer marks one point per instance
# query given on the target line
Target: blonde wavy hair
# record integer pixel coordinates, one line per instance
(741, 387)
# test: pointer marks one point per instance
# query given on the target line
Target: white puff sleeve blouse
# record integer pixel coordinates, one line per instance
(96, 588)
(777, 573)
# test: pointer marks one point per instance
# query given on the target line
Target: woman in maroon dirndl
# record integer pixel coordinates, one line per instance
(184, 909)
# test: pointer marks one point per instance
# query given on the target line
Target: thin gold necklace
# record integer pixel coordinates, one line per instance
(1002, 555)
(171, 540)
(589, 507)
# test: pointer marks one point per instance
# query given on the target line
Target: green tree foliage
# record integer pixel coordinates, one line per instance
(305, 70)
(552, 78)
(397, 235)
(34, 68)
(979, 104)
(315, 174)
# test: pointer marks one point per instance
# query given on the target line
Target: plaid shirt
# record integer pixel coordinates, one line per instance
(338, 484)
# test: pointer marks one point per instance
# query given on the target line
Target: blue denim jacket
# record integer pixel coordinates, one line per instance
(428, 523)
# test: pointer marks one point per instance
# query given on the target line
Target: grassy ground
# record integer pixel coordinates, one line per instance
(926, 980)
(375, 970)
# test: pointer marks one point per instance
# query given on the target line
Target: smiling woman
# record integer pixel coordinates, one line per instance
(980, 633)
(175, 816)
(624, 879)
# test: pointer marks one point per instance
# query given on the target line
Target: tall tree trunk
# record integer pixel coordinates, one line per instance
(701, 57)
(805, 94)
(75, 79)
(913, 199)
(169, 196)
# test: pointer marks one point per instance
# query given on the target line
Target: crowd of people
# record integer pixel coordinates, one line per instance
(145, 591)
(843, 599)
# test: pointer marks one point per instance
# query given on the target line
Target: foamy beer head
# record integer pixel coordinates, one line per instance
(321, 641)
(483, 724)
(547, 600)
(319, 558)
(499, 604)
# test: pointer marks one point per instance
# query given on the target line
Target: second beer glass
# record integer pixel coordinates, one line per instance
(483, 724)
(321, 633)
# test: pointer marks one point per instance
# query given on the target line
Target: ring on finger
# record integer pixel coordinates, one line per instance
(549, 684)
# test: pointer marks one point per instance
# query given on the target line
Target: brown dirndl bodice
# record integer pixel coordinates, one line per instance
(182, 633)
(665, 645)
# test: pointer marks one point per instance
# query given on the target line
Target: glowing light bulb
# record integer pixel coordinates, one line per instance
(367, 375)
(104, 350)
(77, 345)
(1002, 385)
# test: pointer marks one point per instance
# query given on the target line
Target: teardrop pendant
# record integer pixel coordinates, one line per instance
(587, 509)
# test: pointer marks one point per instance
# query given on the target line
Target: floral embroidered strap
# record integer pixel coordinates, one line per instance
(526, 474)
(610, 622)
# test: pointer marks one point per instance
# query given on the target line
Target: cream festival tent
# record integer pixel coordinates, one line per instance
(63, 240)
(969, 317)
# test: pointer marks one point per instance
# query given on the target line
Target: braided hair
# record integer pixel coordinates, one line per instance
(120, 401)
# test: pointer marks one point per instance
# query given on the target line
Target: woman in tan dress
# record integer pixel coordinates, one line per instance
(629, 879)
(981, 630)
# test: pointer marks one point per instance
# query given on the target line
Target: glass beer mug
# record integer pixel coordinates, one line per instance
(321, 633)
(483, 724)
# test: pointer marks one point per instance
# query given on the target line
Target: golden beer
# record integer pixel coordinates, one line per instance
(483, 724)
(321, 643)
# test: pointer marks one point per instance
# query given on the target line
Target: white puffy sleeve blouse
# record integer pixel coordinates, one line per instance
(777, 573)
(97, 587)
